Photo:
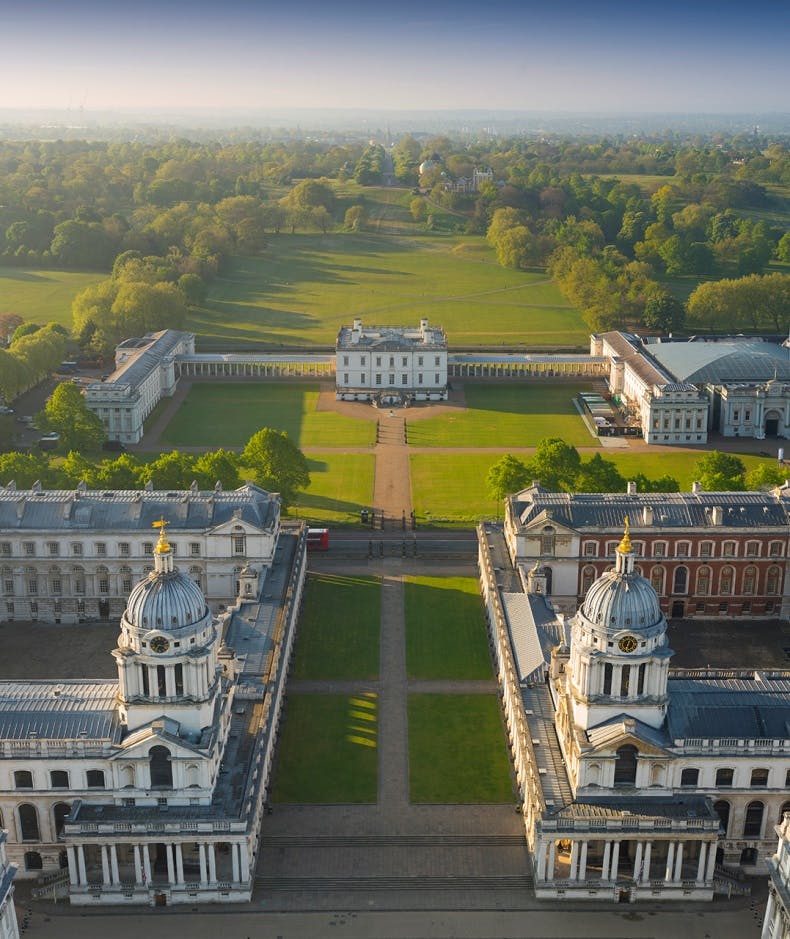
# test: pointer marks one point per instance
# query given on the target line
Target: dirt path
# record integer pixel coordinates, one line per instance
(392, 480)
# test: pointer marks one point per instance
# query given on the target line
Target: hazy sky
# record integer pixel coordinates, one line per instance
(696, 55)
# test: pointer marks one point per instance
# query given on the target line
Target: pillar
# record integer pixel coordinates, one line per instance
(670, 860)
(202, 852)
(769, 916)
(244, 861)
(638, 861)
(116, 877)
(703, 845)
(607, 850)
(171, 874)
(105, 867)
(74, 877)
(615, 859)
(179, 863)
(542, 850)
(234, 854)
(146, 864)
(574, 860)
(583, 862)
(711, 862)
(646, 862)
(81, 864)
(679, 862)
(212, 864)
(138, 871)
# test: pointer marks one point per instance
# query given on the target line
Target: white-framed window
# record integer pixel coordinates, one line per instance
(194, 548)
(5, 549)
(729, 549)
(378, 378)
(683, 549)
(101, 549)
(590, 549)
(392, 379)
(345, 378)
(148, 547)
(76, 549)
(404, 379)
(659, 549)
(706, 549)
(124, 549)
(53, 548)
(29, 549)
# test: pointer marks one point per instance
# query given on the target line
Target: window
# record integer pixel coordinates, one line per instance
(689, 777)
(726, 580)
(752, 549)
(76, 549)
(392, 379)
(547, 541)
(59, 779)
(239, 545)
(749, 580)
(588, 577)
(362, 379)
(436, 379)
(775, 549)
(28, 823)
(33, 860)
(194, 549)
(680, 580)
(611, 547)
(607, 678)
(362, 359)
(28, 549)
(8, 581)
(419, 378)
(32, 585)
(345, 360)
(682, 549)
(404, 361)
(729, 549)
(759, 778)
(126, 580)
(722, 809)
(56, 584)
(437, 360)
(23, 779)
(590, 549)
(657, 579)
(772, 580)
(753, 823)
(124, 549)
(420, 360)
(60, 811)
(95, 778)
(53, 548)
(378, 360)
(345, 378)
(101, 549)
(148, 547)
(161, 768)
(625, 767)
(659, 549)
(378, 378)
(703, 581)
(392, 361)
(404, 379)
(5, 549)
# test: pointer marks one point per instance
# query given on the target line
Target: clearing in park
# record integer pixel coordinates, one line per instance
(445, 630)
(328, 750)
(339, 629)
(457, 749)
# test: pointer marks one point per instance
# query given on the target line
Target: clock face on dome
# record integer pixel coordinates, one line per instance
(159, 644)
(627, 644)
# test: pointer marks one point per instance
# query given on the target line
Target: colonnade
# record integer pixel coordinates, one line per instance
(230, 366)
(671, 866)
(545, 367)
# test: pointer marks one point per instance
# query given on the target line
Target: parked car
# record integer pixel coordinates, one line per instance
(4, 409)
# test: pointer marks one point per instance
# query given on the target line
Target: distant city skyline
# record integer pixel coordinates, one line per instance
(567, 56)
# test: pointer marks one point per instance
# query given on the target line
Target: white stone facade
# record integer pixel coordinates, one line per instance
(391, 364)
(776, 923)
(9, 927)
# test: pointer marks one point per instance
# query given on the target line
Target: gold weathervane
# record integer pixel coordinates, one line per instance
(162, 546)
(625, 544)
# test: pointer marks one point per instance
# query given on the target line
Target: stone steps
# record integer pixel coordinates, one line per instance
(350, 884)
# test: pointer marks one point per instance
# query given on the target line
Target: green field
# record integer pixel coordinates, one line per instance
(517, 415)
(328, 750)
(445, 629)
(42, 296)
(677, 463)
(307, 286)
(340, 485)
(457, 750)
(227, 414)
(451, 487)
(339, 629)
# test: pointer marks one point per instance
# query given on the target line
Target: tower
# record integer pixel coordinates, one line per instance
(619, 660)
(167, 649)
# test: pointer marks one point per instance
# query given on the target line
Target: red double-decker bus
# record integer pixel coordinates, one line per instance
(317, 539)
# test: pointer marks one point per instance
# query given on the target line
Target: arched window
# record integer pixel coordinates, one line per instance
(588, 576)
(28, 823)
(33, 861)
(750, 580)
(753, 823)
(55, 581)
(759, 778)
(689, 777)
(193, 776)
(78, 580)
(724, 777)
(772, 580)
(680, 584)
(703, 581)
(161, 768)
(726, 581)
(31, 581)
(127, 580)
(95, 778)
(59, 779)
(625, 767)
(657, 579)
(126, 776)
(59, 812)
(722, 809)
(7, 581)
(23, 779)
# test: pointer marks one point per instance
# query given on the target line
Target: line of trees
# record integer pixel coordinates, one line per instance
(33, 353)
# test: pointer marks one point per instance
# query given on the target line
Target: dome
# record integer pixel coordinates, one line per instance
(425, 166)
(165, 600)
(622, 599)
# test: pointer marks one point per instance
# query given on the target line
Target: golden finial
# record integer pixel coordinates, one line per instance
(625, 544)
(162, 546)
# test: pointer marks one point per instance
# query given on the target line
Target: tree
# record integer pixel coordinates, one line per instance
(555, 463)
(67, 414)
(765, 476)
(356, 217)
(23, 468)
(506, 476)
(599, 475)
(122, 473)
(720, 472)
(418, 208)
(277, 463)
(783, 248)
(664, 313)
(665, 483)
(218, 466)
(174, 470)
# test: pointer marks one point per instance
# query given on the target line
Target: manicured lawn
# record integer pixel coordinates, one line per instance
(328, 750)
(445, 629)
(227, 414)
(42, 296)
(451, 487)
(307, 286)
(339, 628)
(677, 463)
(517, 415)
(457, 750)
(340, 485)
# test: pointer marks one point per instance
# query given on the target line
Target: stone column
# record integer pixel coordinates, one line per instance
(670, 861)
(212, 864)
(711, 862)
(638, 861)
(171, 874)
(583, 862)
(244, 862)
(574, 870)
(234, 854)
(146, 863)
(179, 863)
(138, 872)
(703, 845)
(542, 850)
(679, 862)
(607, 852)
(646, 862)
(116, 877)
(769, 916)
(550, 863)
(81, 864)
(105, 867)
(74, 877)
(615, 859)
(202, 852)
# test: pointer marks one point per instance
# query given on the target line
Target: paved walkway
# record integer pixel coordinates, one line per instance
(392, 482)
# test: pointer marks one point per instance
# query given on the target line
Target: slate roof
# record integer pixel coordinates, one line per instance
(750, 708)
(137, 368)
(688, 510)
(392, 338)
(134, 510)
(55, 710)
(534, 630)
(719, 362)
(606, 807)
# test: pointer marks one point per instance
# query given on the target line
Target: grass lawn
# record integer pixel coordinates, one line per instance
(43, 296)
(307, 286)
(340, 485)
(445, 630)
(328, 750)
(451, 487)
(517, 415)
(339, 628)
(227, 414)
(457, 750)
(677, 463)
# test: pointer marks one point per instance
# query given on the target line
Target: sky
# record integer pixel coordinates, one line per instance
(556, 55)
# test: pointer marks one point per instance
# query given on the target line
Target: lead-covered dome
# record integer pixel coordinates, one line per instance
(622, 598)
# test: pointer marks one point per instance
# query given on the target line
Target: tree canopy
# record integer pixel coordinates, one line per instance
(277, 463)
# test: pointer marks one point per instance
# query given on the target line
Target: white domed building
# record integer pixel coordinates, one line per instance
(150, 789)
